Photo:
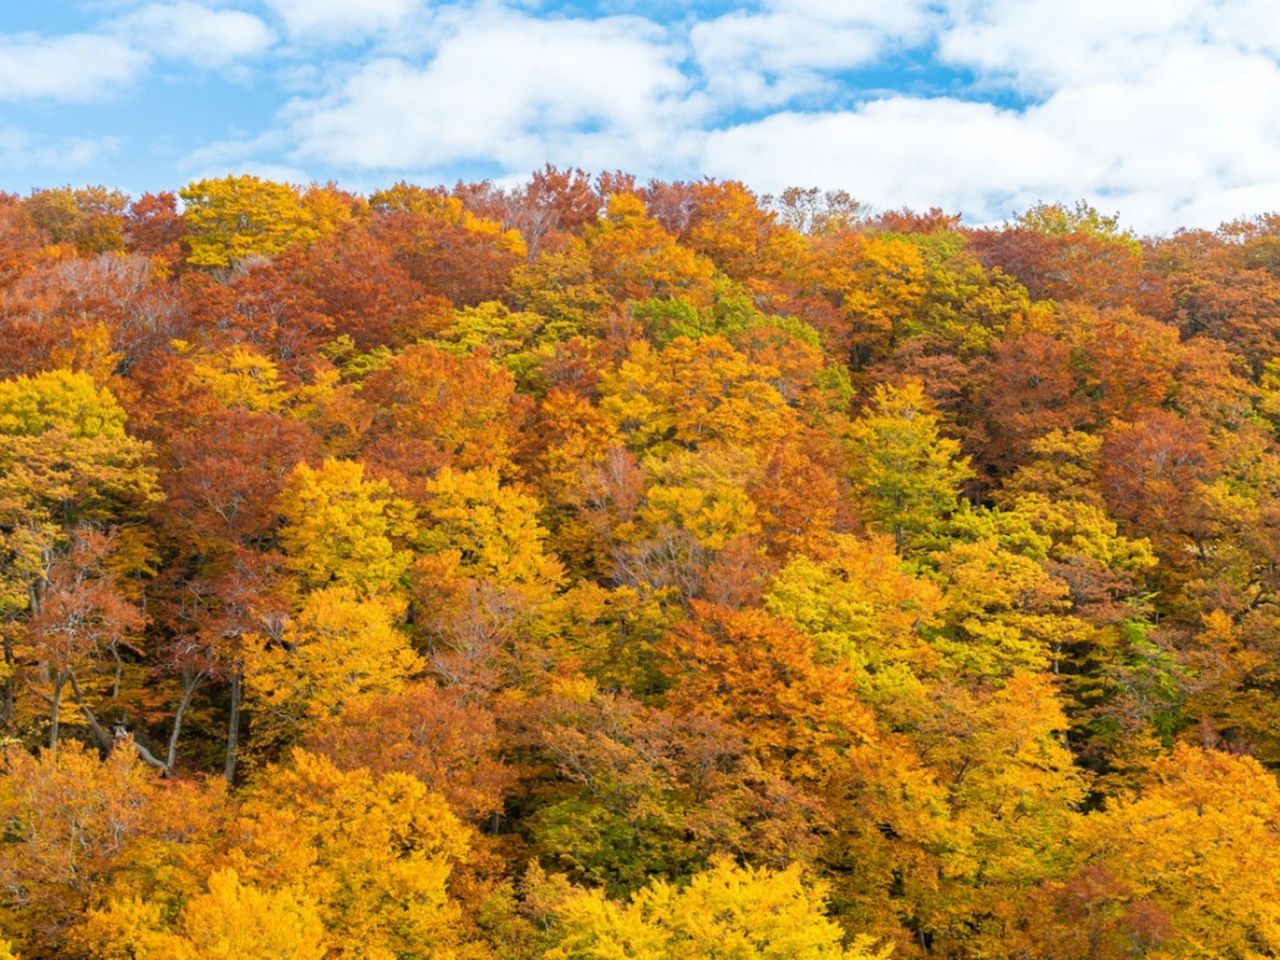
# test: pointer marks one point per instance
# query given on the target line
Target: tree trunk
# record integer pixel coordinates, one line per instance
(106, 741)
(188, 692)
(118, 676)
(233, 728)
(55, 708)
(8, 682)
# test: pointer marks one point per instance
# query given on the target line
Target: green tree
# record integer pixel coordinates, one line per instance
(908, 476)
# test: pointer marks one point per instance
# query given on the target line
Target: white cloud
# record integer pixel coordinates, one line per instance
(1192, 140)
(1175, 104)
(770, 56)
(1050, 44)
(189, 31)
(507, 89)
(74, 67)
(87, 67)
(919, 152)
(21, 149)
(1167, 110)
(341, 19)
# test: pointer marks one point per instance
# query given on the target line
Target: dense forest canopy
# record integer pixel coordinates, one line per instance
(597, 569)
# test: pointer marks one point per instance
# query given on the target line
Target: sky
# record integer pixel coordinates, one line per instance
(1165, 111)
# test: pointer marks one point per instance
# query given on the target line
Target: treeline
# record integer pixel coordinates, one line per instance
(600, 569)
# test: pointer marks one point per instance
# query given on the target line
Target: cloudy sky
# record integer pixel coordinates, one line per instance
(1167, 111)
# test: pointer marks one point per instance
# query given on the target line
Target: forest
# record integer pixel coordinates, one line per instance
(596, 569)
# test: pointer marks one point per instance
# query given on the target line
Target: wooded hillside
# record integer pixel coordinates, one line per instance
(597, 569)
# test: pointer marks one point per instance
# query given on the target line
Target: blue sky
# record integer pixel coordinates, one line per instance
(1167, 112)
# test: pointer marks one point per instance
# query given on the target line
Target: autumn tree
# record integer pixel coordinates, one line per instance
(81, 828)
(860, 604)
(70, 473)
(754, 914)
(154, 228)
(90, 218)
(83, 617)
(342, 529)
(231, 921)
(430, 409)
(380, 857)
(433, 732)
(444, 246)
(338, 652)
(231, 218)
(1182, 868)
(907, 474)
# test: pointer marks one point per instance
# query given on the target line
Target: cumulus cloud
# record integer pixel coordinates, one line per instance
(900, 150)
(341, 19)
(1182, 144)
(88, 67)
(503, 88)
(1166, 110)
(189, 31)
(22, 148)
(74, 67)
(1172, 105)
(784, 49)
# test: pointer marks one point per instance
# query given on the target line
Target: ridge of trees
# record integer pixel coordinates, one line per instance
(598, 569)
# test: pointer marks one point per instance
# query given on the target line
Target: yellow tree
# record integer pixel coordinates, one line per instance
(636, 259)
(1004, 611)
(230, 921)
(231, 218)
(1013, 788)
(878, 282)
(339, 651)
(485, 572)
(703, 492)
(725, 911)
(379, 857)
(341, 529)
(907, 475)
(240, 378)
(1187, 867)
(493, 529)
(862, 605)
(66, 400)
(695, 392)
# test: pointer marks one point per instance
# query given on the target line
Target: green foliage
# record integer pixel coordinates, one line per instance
(63, 400)
(907, 474)
(1057, 218)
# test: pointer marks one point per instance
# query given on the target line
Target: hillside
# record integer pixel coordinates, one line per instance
(598, 569)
